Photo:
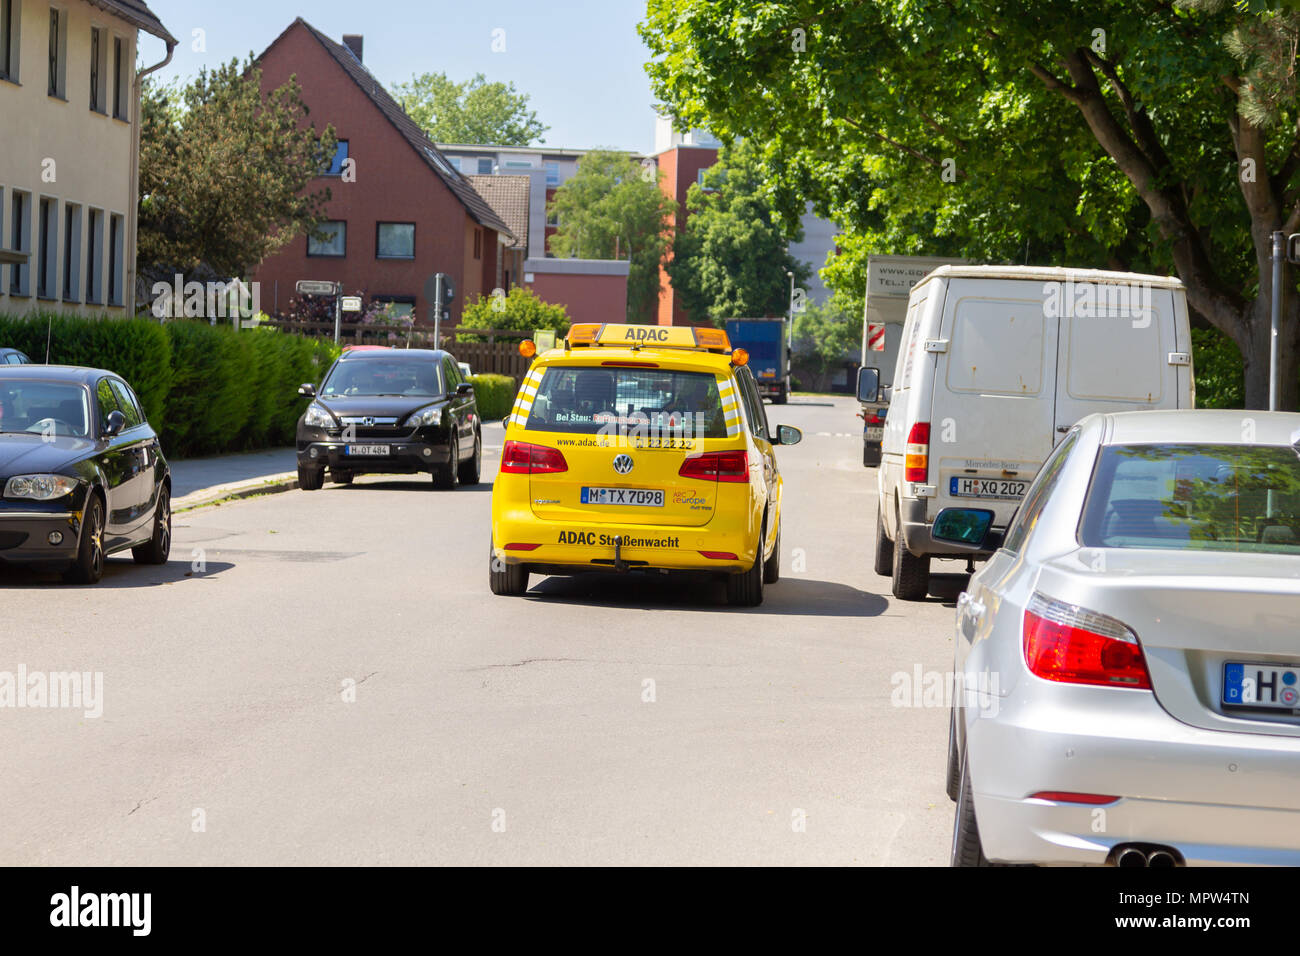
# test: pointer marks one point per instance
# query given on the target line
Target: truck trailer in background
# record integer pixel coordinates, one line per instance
(889, 282)
(769, 358)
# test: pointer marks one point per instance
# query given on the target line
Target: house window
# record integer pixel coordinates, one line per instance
(95, 257)
(58, 55)
(552, 174)
(119, 78)
(484, 167)
(478, 243)
(71, 252)
(98, 75)
(10, 14)
(333, 242)
(399, 306)
(518, 164)
(20, 224)
(340, 157)
(455, 162)
(395, 240)
(115, 261)
(47, 248)
(552, 217)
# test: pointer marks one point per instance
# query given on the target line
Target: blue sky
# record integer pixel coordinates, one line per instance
(580, 63)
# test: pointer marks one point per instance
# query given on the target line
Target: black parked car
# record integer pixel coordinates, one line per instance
(382, 410)
(81, 471)
(13, 357)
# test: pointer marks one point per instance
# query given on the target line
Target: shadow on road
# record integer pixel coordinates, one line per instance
(400, 484)
(118, 574)
(792, 595)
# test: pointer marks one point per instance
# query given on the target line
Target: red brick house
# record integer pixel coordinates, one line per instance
(399, 212)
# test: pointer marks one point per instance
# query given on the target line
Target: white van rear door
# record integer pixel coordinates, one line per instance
(992, 412)
(1115, 352)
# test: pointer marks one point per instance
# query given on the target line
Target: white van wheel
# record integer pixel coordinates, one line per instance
(884, 565)
(911, 574)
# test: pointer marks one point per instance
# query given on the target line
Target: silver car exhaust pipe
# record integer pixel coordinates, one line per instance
(1131, 856)
(1145, 854)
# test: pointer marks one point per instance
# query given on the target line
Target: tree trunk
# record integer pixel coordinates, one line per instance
(1253, 333)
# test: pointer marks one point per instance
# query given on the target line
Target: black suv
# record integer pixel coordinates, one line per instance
(382, 410)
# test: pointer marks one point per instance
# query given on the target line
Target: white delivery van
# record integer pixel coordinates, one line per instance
(996, 364)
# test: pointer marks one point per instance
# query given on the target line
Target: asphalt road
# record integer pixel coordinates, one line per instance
(325, 678)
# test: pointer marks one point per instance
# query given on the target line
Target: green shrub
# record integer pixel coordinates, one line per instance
(495, 395)
(1220, 371)
(205, 389)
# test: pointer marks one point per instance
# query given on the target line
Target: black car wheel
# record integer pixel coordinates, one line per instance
(445, 477)
(89, 565)
(311, 479)
(160, 545)
(469, 470)
(509, 580)
(341, 477)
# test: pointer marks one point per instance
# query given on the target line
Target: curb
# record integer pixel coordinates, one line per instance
(232, 491)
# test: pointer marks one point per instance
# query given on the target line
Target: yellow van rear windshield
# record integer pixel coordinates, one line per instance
(592, 401)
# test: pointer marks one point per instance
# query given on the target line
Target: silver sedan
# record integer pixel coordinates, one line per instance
(1128, 660)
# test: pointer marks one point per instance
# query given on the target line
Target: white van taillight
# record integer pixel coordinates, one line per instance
(1073, 645)
(916, 463)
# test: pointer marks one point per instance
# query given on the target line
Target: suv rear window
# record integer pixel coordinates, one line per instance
(1195, 497)
(591, 400)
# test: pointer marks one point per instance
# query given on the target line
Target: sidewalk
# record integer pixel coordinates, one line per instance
(198, 481)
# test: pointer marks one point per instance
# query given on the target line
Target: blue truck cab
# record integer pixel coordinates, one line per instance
(769, 360)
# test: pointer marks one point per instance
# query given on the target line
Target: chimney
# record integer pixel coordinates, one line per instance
(353, 42)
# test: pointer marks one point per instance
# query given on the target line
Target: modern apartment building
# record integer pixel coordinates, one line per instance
(69, 152)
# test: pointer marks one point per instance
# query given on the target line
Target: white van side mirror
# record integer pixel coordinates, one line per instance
(868, 384)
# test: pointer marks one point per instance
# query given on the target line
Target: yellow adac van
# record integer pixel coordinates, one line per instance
(639, 448)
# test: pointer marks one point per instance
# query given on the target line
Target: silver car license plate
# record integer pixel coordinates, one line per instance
(643, 497)
(368, 450)
(1261, 685)
(987, 488)
(874, 433)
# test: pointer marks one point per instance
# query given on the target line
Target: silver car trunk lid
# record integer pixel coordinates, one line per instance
(1194, 612)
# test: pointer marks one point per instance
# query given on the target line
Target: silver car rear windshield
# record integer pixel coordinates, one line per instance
(593, 401)
(1195, 497)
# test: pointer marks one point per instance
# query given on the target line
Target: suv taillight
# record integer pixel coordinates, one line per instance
(717, 466)
(916, 462)
(522, 458)
(1073, 645)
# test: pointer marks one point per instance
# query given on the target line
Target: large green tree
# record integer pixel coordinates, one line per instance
(225, 172)
(1134, 134)
(731, 260)
(613, 208)
(474, 111)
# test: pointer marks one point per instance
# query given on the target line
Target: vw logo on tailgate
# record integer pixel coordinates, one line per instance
(623, 464)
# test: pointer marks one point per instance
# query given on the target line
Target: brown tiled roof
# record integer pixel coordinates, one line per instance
(137, 13)
(474, 204)
(508, 195)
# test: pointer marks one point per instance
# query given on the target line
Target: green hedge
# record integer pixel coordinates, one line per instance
(495, 395)
(206, 389)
